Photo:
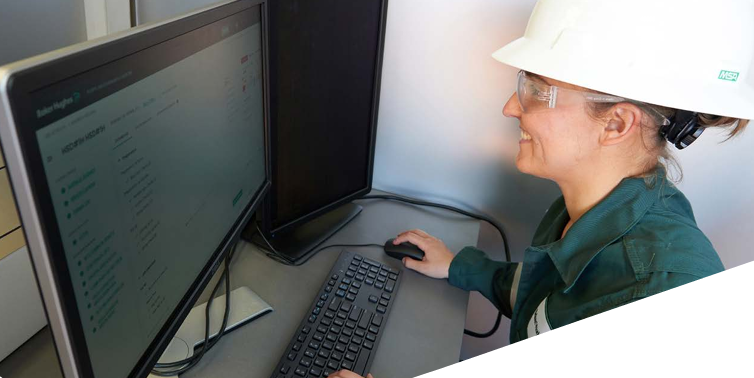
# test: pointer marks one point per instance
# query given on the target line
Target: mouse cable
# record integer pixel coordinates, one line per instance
(182, 366)
(481, 217)
(277, 256)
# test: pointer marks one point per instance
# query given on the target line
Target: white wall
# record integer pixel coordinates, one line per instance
(442, 136)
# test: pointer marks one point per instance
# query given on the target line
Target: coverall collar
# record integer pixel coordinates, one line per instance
(599, 227)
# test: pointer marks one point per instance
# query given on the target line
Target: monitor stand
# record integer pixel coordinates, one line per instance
(301, 241)
(245, 306)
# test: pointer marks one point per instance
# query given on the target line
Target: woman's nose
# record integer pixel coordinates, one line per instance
(512, 108)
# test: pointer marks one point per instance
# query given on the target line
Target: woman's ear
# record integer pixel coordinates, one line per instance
(623, 121)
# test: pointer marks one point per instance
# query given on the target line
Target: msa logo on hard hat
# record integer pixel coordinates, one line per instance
(728, 75)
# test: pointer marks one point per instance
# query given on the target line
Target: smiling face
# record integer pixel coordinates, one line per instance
(555, 143)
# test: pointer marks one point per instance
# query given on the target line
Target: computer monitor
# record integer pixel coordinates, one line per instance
(135, 161)
(324, 102)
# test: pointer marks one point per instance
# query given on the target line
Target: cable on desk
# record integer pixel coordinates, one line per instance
(182, 366)
(481, 217)
(277, 256)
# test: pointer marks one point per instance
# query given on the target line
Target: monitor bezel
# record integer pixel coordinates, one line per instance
(271, 226)
(30, 187)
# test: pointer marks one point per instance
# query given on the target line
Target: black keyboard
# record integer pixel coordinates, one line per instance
(344, 325)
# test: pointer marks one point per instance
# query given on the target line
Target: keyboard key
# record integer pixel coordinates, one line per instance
(300, 372)
(361, 364)
(284, 369)
(372, 263)
(383, 273)
(335, 330)
(331, 337)
(343, 340)
(324, 354)
(338, 322)
(377, 320)
(386, 296)
(340, 348)
(326, 322)
(373, 298)
(381, 309)
(359, 332)
(357, 257)
(359, 277)
(324, 296)
(383, 302)
(343, 287)
(337, 355)
(350, 356)
(305, 362)
(362, 272)
(381, 279)
(356, 285)
(334, 277)
(350, 324)
(393, 276)
(328, 289)
(296, 347)
(354, 262)
(347, 365)
(364, 265)
(368, 345)
(346, 281)
(351, 297)
(316, 372)
(292, 356)
(312, 318)
(309, 353)
(353, 348)
(322, 329)
(332, 365)
(354, 315)
(379, 285)
(373, 329)
(315, 345)
(374, 270)
(353, 291)
(389, 269)
(334, 304)
(327, 373)
(347, 331)
(331, 283)
(327, 345)
(350, 274)
(365, 319)
(369, 281)
(390, 286)
(321, 303)
(342, 315)
(320, 362)
(340, 293)
(371, 275)
(316, 311)
(301, 338)
(318, 336)
(371, 337)
(357, 340)
(345, 307)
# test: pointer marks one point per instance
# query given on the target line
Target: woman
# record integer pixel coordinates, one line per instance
(621, 231)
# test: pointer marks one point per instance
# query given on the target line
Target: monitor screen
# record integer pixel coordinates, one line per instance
(148, 163)
(324, 92)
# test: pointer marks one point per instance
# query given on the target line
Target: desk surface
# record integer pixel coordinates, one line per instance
(424, 330)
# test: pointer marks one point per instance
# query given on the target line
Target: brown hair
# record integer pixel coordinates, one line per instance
(658, 144)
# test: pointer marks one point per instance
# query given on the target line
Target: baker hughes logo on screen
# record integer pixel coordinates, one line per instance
(59, 105)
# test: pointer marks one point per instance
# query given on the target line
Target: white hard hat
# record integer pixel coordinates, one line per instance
(691, 55)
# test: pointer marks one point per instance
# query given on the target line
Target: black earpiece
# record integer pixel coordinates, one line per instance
(683, 129)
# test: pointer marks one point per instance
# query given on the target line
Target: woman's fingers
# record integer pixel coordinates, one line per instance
(412, 238)
(346, 374)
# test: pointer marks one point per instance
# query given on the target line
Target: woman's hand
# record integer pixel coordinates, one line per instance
(437, 257)
(347, 374)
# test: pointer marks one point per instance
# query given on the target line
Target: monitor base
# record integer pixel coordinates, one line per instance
(246, 306)
(303, 240)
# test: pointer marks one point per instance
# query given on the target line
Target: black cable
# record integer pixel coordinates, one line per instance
(277, 256)
(188, 363)
(481, 217)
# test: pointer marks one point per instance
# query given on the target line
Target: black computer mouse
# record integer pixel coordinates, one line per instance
(403, 250)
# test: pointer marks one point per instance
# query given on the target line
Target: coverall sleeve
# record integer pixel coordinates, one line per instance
(471, 269)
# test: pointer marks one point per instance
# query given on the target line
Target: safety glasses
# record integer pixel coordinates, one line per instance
(534, 95)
